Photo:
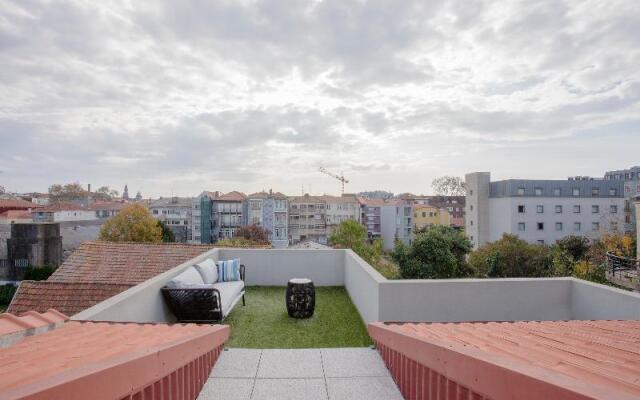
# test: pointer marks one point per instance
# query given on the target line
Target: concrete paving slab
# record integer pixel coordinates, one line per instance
(353, 362)
(369, 388)
(226, 389)
(287, 363)
(290, 389)
(237, 363)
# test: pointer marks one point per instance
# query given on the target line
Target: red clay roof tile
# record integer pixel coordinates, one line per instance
(16, 204)
(62, 206)
(10, 323)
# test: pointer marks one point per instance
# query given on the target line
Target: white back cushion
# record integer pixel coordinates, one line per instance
(208, 270)
(190, 276)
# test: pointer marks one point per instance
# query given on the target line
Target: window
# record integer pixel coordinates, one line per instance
(595, 192)
(538, 191)
(614, 225)
(540, 226)
(558, 209)
(424, 214)
(559, 226)
(471, 223)
(557, 192)
(541, 241)
(521, 226)
(576, 209)
(613, 192)
(155, 212)
(576, 191)
(470, 192)
(470, 207)
(520, 191)
(577, 226)
(540, 209)
(520, 209)
(595, 226)
(613, 209)
(595, 209)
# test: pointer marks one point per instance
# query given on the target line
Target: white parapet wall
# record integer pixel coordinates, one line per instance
(379, 299)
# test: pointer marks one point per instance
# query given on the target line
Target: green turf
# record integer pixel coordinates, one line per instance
(264, 324)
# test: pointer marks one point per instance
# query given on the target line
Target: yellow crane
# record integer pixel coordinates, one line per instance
(340, 177)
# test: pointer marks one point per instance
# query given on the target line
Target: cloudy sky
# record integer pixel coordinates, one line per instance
(182, 96)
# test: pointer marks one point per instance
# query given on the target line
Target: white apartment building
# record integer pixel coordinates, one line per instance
(176, 214)
(341, 208)
(63, 212)
(541, 211)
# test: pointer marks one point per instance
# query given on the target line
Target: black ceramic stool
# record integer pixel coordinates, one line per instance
(301, 298)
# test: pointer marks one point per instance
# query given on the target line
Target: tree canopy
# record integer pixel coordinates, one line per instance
(66, 192)
(167, 234)
(350, 234)
(254, 233)
(511, 257)
(133, 223)
(448, 186)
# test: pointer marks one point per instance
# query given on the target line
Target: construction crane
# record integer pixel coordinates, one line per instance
(340, 177)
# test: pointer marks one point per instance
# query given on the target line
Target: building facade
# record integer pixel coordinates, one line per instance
(631, 179)
(389, 219)
(175, 213)
(228, 213)
(541, 211)
(307, 219)
(339, 209)
(426, 215)
(63, 212)
(270, 211)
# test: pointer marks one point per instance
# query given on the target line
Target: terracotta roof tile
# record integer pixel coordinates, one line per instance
(68, 297)
(601, 355)
(124, 263)
(10, 324)
(232, 196)
(17, 204)
(108, 205)
(62, 206)
(16, 214)
(83, 360)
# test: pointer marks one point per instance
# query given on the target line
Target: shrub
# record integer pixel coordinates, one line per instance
(437, 252)
(511, 257)
(590, 272)
(254, 233)
(6, 294)
(167, 234)
(38, 273)
(239, 242)
(576, 246)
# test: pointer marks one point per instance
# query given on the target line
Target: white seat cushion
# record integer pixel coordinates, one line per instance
(208, 270)
(188, 277)
(229, 292)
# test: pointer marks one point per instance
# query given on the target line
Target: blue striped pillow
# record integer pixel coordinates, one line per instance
(229, 270)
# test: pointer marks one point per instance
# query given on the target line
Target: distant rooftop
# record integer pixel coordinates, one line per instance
(61, 206)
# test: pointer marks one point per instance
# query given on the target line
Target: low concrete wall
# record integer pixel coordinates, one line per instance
(458, 300)
(362, 282)
(274, 267)
(593, 301)
(143, 302)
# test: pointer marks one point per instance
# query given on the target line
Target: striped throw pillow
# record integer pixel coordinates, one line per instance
(229, 270)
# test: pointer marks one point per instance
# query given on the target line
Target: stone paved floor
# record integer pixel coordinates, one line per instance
(336, 374)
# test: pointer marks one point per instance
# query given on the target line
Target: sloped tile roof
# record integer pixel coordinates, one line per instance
(62, 206)
(68, 297)
(16, 214)
(17, 204)
(124, 263)
(10, 324)
(596, 356)
(232, 196)
(108, 205)
(104, 360)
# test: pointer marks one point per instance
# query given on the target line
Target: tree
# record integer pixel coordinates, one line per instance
(254, 233)
(105, 193)
(239, 242)
(69, 191)
(448, 186)
(576, 246)
(133, 223)
(350, 234)
(511, 257)
(437, 252)
(376, 194)
(167, 234)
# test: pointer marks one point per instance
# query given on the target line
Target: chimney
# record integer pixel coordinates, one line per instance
(89, 188)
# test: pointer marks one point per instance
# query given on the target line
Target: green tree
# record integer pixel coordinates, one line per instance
(511, 257)
(69, 191)
(254, 233)
(350, 234)
(437, 252)
(576, 246)
(105, 193)
(167, 234)
(133, 223)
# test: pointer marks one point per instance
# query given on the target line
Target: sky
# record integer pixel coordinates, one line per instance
(177, 97)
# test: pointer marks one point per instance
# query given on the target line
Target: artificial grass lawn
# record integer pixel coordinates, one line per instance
(264, 323)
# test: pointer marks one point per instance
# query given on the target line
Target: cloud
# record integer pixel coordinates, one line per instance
(193, 95)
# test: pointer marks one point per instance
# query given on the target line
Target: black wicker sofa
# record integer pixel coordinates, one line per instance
(197, 296)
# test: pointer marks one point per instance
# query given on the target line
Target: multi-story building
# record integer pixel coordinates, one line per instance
(631, 179)
(62, 212)
(270, 211)
(175, 213)
(228, 213)
(426, 215)
(106, 209)
(637, 208)
(541, 211)
(389, 219)
(307, 219)
(341, 208)
(453, 204)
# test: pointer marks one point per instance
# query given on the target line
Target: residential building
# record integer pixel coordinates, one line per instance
(631, 179)
(270, 211)
(339, 209)
(389, 219)
(175, 213)
(307, 219)
(16, 204)
(637, 209)
(63, 212)
(541, 211)
(228, 213)
(107, 209)
(453, 204)
(426, 215)
(15, 217)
